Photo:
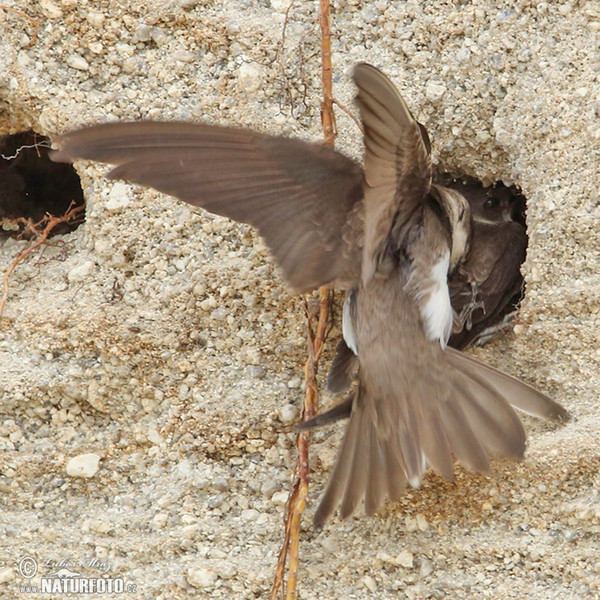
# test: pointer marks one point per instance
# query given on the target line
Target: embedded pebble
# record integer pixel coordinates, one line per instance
(405, 559)
(256, 371)
(83, 465)
(118, 199)
(434, 91)
(78, 62)
(294, 383)
(250, 514)
(80, 272)
(280, 498)
(250, 76)
(200, 577)
(288, 413)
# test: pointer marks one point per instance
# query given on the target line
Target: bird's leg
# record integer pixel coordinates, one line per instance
(467, 311)
(489, 332)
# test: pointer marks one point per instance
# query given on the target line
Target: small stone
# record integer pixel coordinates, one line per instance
(250, 514)
(280, 498)
(51, 10)
(269, 487)
(84, 465)
(190, 531)
(463, 55)
(80, 272)
(422, 523)
(288, 414)
(218, 314)
(143, 32)
(78, 62)
(96, 47)
(184, 56)
(426, 568)
(103, 527)
(233, 27)
(220, 484)
(370, 583)
(370, 14)
(23, 59)
(117, 197)
(256, 371)
(294, 383)
(215, 501)
(201, 577)
(160, 520)
(159, 37)
(95, 19)
(6, 575)
(154, 437)
(411, 524)
(405, 559)
(281, 6)
(434, 91)
(250, 77)
(208, 303)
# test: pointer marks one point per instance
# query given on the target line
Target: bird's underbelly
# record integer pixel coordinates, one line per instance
(393, 347)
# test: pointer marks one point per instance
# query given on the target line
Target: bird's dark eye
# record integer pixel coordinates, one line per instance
(491, 202)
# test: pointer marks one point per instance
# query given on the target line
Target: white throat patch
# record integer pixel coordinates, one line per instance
(436, 312)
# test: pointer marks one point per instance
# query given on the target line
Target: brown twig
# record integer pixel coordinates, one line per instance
(41, 230)
(34, 22)
(316, 336)
(350, 114)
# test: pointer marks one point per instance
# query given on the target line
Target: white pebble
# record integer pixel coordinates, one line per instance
(201, 577)
(434, 91)
(84, 465)
(280, 498)
(422, 523)
(6, 574)
(370, 583)
(78, 62)
(80, 272)
(250, 514)
(288, 414)
(405, 559)
(51, 10)
(95, 19)
(117, 197)
(250, 77)
(153, 436)
(294, 383)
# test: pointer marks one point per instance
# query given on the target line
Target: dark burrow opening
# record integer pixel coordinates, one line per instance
(488, 287)
(32, 186)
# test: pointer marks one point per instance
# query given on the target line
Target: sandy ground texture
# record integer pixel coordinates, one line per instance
(164, 342)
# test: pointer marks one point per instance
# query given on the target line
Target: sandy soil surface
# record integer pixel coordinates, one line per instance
(163, 340)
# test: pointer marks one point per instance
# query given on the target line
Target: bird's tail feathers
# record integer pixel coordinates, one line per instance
(390, 441)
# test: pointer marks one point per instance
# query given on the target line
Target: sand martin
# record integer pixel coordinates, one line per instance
(382, 229)
(487, 285)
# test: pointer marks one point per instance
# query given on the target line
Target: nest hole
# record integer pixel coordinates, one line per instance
(33, 187)
(500, 232)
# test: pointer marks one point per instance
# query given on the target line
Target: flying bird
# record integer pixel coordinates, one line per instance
(485, 288)
(382, 229)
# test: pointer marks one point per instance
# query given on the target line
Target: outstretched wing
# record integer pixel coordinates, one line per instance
(397, 163)
(304, 199)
